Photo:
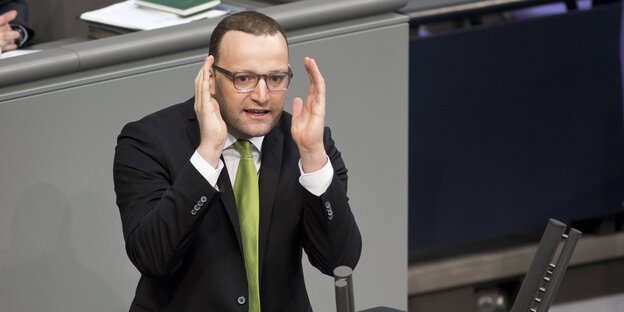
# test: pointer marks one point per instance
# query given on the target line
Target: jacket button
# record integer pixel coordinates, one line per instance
(241, 300)
(203, 199)
(327, 205)
(194, 212)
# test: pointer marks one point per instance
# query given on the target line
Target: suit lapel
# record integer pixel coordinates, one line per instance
(192, 129)
(229, 202)
(272, 151)
(224, 184)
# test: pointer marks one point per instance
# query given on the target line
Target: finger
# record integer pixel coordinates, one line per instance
(202, 82)
(206, 77)
(9, 36)
(7, 17)
(216, 109)
(9, 47)
(199, 75)
(198, 79)
(5, 28)
(314, 74)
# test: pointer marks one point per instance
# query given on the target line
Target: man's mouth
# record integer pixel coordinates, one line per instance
(257, 112)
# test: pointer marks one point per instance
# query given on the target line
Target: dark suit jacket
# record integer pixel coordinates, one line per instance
(193, 261)
(17, 5)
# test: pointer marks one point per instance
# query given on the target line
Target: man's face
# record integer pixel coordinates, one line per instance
(254, 113)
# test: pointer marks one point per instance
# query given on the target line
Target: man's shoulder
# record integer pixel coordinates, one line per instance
(170, 115)
(169, 120)
(182, 110)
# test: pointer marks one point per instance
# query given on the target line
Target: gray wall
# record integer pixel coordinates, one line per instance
(61, 245)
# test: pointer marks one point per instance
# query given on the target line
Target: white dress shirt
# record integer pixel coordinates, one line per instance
(315, 182)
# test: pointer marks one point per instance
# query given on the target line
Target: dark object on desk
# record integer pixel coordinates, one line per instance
(99, 30)
(542, 281)
(182, 8)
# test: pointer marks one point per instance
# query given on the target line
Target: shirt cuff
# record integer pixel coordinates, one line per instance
(207, 171)
(317, 182)
(23, 38)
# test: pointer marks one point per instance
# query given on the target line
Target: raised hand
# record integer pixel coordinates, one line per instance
(212, 128)
(8, 36)
(308, 120)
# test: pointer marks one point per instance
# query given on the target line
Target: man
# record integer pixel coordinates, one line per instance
(186, 221)
(13, 31)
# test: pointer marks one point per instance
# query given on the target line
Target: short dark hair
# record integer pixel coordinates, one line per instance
(250, 22)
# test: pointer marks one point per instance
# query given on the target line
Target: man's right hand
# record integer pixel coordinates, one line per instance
(8, 36)
(212, 128)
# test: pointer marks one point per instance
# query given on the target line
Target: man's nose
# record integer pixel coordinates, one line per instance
(261, 92)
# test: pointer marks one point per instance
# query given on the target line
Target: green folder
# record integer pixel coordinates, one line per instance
(179, 7)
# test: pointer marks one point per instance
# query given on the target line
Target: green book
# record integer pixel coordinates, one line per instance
(179, 7)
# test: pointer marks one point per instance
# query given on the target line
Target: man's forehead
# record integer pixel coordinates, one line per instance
(237, 35)
(237, 46)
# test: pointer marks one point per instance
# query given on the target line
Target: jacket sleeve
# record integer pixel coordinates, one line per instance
(332, 237)
(159, 213)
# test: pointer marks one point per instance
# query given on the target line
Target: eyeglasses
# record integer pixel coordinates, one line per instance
(247, 81)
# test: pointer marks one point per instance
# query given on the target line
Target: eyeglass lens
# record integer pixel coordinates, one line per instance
(274, 81)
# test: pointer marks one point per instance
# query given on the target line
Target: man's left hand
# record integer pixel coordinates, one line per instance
(308, 122)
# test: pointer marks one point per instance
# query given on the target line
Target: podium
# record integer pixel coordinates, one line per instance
(343, 283)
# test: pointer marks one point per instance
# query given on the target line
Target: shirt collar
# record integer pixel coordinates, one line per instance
(255, 141)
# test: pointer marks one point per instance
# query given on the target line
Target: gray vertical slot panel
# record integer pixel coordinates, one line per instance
(559, 271)
(543, 256)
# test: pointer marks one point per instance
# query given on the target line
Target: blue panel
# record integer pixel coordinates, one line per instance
(511, 125)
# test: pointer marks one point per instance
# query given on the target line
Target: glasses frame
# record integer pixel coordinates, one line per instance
(233, 75)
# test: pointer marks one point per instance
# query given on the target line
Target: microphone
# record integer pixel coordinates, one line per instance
(343, 283)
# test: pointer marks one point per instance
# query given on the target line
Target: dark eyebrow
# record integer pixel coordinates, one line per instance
(277, 71)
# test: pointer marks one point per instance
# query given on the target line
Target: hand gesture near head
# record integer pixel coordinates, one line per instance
(308, 122)
(212, 128)
(8, 36)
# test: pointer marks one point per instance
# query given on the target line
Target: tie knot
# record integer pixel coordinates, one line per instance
(244, 148)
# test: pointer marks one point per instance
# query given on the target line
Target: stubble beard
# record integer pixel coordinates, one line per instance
(238, 126)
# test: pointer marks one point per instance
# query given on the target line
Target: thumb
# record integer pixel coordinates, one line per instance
(297, 107)
(7, 17)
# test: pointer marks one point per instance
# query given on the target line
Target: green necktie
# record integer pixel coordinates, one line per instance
(248, 207)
